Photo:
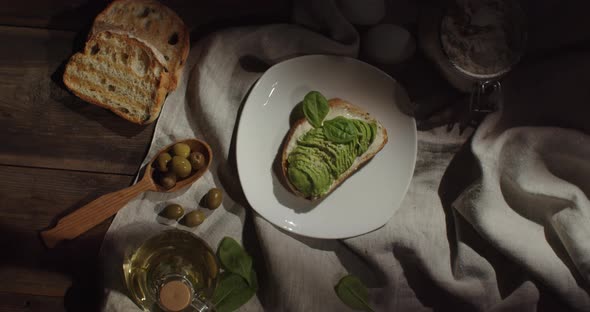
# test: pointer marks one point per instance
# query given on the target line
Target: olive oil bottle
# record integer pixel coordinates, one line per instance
(172, 271)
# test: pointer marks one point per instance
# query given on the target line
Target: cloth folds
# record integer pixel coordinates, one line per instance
(498, 223)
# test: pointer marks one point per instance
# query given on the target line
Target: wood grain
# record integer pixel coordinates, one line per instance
(30, 303)
(79, 14)
(31, 200)
(46, 126)
(34, 281)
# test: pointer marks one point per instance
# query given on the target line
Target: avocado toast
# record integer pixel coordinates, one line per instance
(327, 146)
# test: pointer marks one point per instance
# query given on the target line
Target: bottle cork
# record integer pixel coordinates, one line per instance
(175, 296)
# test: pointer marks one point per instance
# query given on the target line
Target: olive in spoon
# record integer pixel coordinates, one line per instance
(100, 209)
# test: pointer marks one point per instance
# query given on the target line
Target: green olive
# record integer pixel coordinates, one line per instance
(194, 218)
(168, 180)
(197, 160)
(181, 149)
(163, 160)
(213, 198)
(173, 212)
(181, 167)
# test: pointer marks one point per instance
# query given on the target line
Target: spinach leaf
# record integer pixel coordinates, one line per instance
(232, 292)
(234, 259)
(315, 108)
(340, 130)
(353, 293)
(296, 114)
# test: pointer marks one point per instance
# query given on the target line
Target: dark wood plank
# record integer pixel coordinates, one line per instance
(29, 303)
(33, 281)
(31, 200)
(57, 14)
(78, 14)
(46, 126)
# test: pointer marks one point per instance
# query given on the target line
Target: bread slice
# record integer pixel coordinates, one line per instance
(156, 25)
(338, 107)
(121, 74)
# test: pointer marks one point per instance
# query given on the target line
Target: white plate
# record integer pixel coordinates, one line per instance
(367, 199)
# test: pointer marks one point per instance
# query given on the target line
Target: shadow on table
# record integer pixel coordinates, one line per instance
(76, 260)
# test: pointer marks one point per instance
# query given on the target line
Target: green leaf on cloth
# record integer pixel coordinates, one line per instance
(353, 293)
(232, 292)
(234, 259)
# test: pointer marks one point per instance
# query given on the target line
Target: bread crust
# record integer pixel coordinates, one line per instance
(161, 91)
(355, 110)
(176, 69)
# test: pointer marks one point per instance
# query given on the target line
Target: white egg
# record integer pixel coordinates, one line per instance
(388, 44)
(362, 12)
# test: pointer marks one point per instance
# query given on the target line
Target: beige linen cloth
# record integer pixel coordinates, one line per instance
(497, 223)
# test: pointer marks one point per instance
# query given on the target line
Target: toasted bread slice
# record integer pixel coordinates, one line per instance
(338, 107)
(121, 74)
(154, 24)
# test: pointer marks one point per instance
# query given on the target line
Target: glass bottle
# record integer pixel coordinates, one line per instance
(172, 271)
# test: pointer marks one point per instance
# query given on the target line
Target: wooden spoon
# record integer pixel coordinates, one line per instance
(89, 216)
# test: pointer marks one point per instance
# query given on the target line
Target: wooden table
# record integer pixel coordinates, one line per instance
(58, 153)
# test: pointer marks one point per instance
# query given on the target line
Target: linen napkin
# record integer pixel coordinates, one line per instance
(530, 203)
(496, 224)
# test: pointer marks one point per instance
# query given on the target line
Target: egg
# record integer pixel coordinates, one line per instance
(362, 12)
(388, 44)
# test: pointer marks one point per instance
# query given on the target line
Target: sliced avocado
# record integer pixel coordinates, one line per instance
(316, 162)
(300, 180)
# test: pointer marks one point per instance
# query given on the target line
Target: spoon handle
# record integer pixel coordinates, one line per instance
(95, 212)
